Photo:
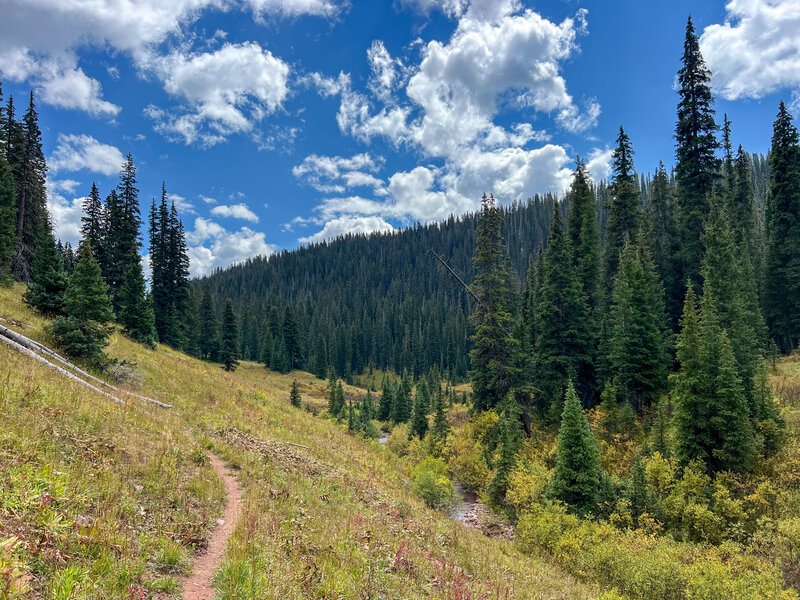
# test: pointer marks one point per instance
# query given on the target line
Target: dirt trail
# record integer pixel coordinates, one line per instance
(197, 586)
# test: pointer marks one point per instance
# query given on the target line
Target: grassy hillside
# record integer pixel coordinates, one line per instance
(99, 500)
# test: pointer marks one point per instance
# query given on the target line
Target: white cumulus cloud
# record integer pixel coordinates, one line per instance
(348, 224)
(756, 51)
(76, 152)
(212, 246)
(236, 211)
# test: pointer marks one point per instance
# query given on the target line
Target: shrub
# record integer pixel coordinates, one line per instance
(430, 482)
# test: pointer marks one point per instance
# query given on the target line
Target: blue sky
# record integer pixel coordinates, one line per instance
(279, 122)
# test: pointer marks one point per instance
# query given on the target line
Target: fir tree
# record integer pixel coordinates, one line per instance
(561, 313)
(294, 395)
(93, 224)
(623, 220)
(782, 280)
(136, 308)
(419, 414)
(401, 402)
(639, 356)
(387, 395)
(209, 330)
(663, 239)
(577, 476)
(229, 348)
(441, 426)
(509, 443)
(291, 338)
(49, 280)
(84, 329)
(320, 358)
(8, 216)
(494, 353)
(30, 173)
(697, 164)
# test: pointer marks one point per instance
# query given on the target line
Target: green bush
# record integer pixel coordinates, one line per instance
(430, 482)
(638, 565)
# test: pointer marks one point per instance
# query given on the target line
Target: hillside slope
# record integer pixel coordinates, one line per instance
(99, 500)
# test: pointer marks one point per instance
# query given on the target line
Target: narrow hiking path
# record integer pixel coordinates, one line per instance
(198, 585)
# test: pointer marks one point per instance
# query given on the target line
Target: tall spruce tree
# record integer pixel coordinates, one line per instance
(663, 237)
(623, 219)
(583, 232)
(320, 358)
(93, 223)
(401, 402)
(136, 308)
(387, 397)
(209, 329)
(697, 164)
(494, 351)
(294, 395)
(509, 442)
(291, 339)
(229, 347)
(49, 279)
(419, 413)
(8, 214)
(782, 279)
(30, 173)
(562, 339)
(577, 476)
(638, 346)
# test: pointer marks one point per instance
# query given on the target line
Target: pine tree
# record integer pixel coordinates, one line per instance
(623, 219)
(84, 329)
(509, 443)
(419, 414)
(401, 402)
(291, 338)
(229, 348)
(340, 401)
(30, 172)
(294, 395)
(494, 352)
(441, 426)
(782, 279)
(8, 215)
(387, 395)
(697, 164)
(93, 224)
(638, 349)
(209, 330)
(561, 313)
(49, 280)
(320, 358)
(136, 308)
(180, 313)
(663, 241)
(577, 476)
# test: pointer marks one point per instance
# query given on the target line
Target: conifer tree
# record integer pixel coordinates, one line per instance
(136, 308)
(294, 395)
(697, 164)
(209, 330)
(83, 330)
(782, 279)
(441, 426)
(401, 402)
(494, 352)
(561, 338)
(583, 233)
(509, 443)
(8, 215)
(49, 280)
(352, 425)
(577, 476)
(419, 414)
(291, 338)
(638, 347)
(387, 395)
(93, 223)
(341, 400)
(623, 219)
(30, 172)
(332, 400)
(320, 358)
(663, 239)
(229, 347)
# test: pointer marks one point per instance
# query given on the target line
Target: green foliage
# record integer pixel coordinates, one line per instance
(419, 414)
(638, 349)
(401, 401)
(209, 328)
(509, 442)
(136, 309)
(294, 395)
(430, 482)
(577, 476)
(494, 352)
(229, 348)
(8, 218)
(49, 280)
